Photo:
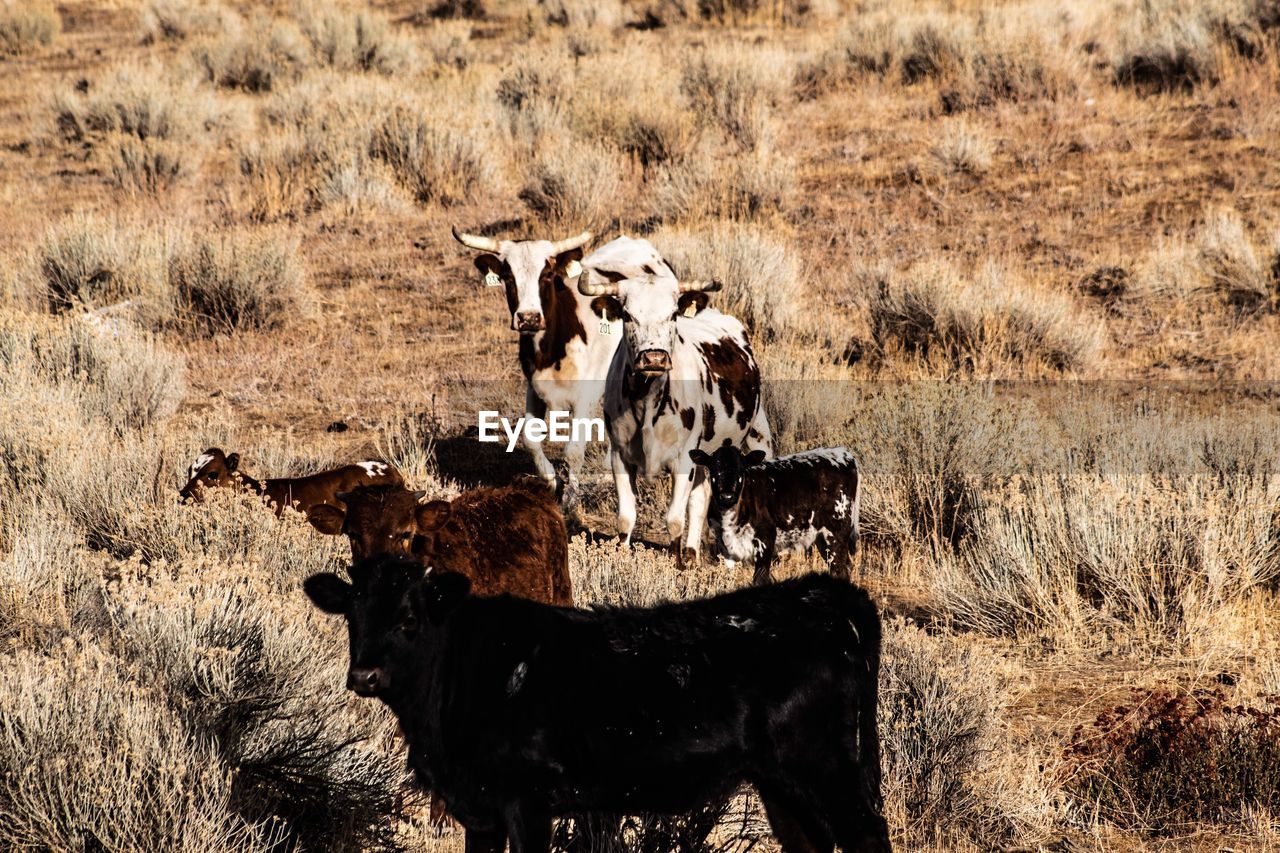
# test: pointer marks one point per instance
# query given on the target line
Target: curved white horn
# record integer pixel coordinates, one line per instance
(475, 241)
(704, 286)
(586, 288)
(571, 243)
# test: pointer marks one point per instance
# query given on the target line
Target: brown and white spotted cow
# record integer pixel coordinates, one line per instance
(213, 469)
(567, 341)
(683, 378)
(761, 509)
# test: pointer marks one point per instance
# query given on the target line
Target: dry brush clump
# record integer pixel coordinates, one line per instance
(760, 273)
(178, 20)
(259, 55)
(950, 776)
(145, 100)
(982, 323)
(1133, 561)
(435, 162)
(27, 26)
(90, 759)
(238, 281)
(1170, 760)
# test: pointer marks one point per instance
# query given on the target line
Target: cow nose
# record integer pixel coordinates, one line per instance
(529, 321)
(366, 682)
(654, 360)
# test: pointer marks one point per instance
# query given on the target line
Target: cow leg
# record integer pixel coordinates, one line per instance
(795, 827)
(534, 407)
(839, 561)
(681, 486)
(485, 841)
(699, 499)
(529, 829)
(764, 565)
(846, 806)
(575, 454)
(624, 480)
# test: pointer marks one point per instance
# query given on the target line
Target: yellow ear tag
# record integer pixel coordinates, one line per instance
(573, 269)
(492, 279)
(691, 310)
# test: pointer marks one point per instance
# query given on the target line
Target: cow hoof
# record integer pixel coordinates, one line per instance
(686, 558)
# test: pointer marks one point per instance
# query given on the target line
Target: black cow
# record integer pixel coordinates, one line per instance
(517, 712)
(760, 509)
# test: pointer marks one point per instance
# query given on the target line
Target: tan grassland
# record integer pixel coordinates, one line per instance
(1022, 257)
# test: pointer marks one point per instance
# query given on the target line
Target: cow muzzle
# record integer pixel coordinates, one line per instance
(367, 682)
(529, 322)
(653, 361)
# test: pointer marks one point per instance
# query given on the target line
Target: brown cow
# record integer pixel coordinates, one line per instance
(214, 469)
(510, 539)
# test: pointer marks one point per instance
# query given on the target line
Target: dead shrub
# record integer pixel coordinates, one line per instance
(941, 745)
(178, 20)
(146, 101)
(354, 40)
(262, 57)
(78, 716)
(575, 184)
(1164, 47)
(236, 663)
(88, 261)
(1170, 760)
(962, 149)
(978, 324)
(434, 162)
(1231, 264)
(760, 274)
(237, 281)
(150, 167)
(1119, 559)
(27, 26)
(730, 90)
(709, 185)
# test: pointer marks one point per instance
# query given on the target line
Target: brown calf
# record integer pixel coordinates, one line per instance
(510, 539)
(214, 469)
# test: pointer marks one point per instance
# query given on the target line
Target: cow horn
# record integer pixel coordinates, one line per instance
(475, 241)
(571, 243)
(704, 286)
(586, 288)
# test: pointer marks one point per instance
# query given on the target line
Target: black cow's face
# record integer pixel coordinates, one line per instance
(211, 469)
(388, 606)
(725, 469)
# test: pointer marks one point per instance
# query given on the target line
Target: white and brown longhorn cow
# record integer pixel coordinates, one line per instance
(567, 341)
(683, 378)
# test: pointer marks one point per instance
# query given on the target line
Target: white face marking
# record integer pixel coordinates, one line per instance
(373, 469)
(742, 623)
(527, 260)
(202, 460)
(650, 301)
(843, 506)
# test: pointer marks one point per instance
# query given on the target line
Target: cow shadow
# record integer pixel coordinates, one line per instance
(473, 463)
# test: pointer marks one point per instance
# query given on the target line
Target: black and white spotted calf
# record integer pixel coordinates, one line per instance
(761, 509)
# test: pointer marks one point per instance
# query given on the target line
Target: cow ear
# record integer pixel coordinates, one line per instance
(692, 302)
(328, 592)
(233, 462)
(489, 265)
(755, 457)
(700, 457)
(327, 519)
(439, 594)
(607, 308)
(566, 263)
(431, 515)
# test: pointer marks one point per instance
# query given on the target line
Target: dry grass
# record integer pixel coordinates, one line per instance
(227, 224)
(27, 26)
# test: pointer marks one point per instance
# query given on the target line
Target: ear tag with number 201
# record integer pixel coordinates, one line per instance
(492, 279)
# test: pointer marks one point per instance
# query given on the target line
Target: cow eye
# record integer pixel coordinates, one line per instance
(211, 476)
